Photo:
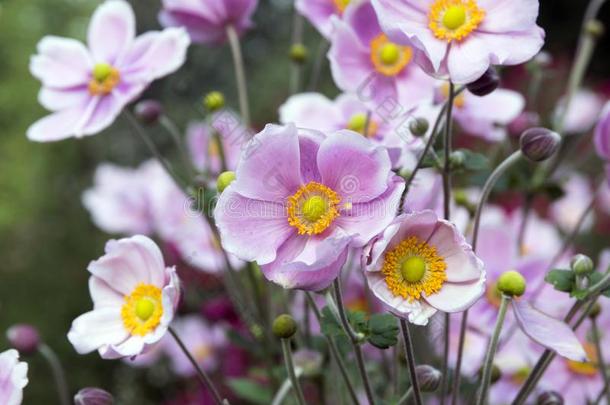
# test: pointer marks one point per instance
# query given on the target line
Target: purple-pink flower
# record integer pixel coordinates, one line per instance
(320, 13)
(207, 20)
(85, 88)
(135, 297)
(460, 39)
(365, 61)
(301, 198)
(420, 265)
(602, 134)
(13, 377)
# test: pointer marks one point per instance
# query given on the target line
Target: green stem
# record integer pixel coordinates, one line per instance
(58, 372)
(296, 387)
(405, 398)
(491, 350)
(445, 365)
(318, 64)
(178, 140)
(600, 358)
(296, 68)
(354, 340)
(285, 388)
(408, 342)
(448, 148)
(334, 351)
(240, 74)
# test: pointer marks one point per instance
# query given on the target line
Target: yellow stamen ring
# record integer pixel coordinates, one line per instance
(389, 58)
(142, 310)
(414, 268)
(313, 208)
(341, 5)
(451, 20)
(104, 79)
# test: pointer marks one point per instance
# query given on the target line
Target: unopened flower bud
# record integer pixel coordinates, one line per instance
(496, 374)
(539, 144)
(511, 283)
(284, 326)
(224, 180)
(419, 126)
(581, 265)
(428, 377)
(298, 53)
(549, 398)
(485, 84)
(457, 159)
(148, 111)
(595, 310)
(93, 396)
(214, 101)
(595, 28)
(24, 338)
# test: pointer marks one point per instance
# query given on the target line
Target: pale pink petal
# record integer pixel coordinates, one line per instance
(59, 125)
(311, 110)
(61, 63)
(548, 331)
(104, 296)
(98, 328)
(55, 99)
(111, 31)
(501, 46)
(503, 16)
(468, 60)
(457, 297)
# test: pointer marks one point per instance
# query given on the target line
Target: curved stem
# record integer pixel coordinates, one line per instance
(445, 365)
(448, 148)
(240, 74)
(600, 358)
(296, 387)
(334, 351)
(354, 340)
(58, 372)
(174, 132)
(405, 398)
(491, 350)
(285, 388)
(203, 377)
(408, 342)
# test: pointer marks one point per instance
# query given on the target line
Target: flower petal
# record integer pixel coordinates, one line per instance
(96, 329)
(468, 60)
(548, 331)
(61, 63)
(111, 31)
(457, 297)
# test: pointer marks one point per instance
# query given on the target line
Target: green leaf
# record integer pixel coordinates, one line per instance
(251, 391)
(383, 330)
(474, 161)
(562, 280)
(329, 324)
(595, 278)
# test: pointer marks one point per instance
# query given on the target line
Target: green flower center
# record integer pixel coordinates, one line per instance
(101, 72)
(145, 308)
(413, 269)
(454, 17)
(314, 208)
(390, 54)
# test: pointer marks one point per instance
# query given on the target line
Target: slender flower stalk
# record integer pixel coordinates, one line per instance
(203, 377)
(487, 188)
(240, 74)
(334, 351)
(600, 358)
(408, 342)
(354, 340)
(296, 68)
(491, 351)
(289, 363)
(171, 127)
(403, 400)
(448, 148)
(318, 64)
(279, 397)
(58, 372)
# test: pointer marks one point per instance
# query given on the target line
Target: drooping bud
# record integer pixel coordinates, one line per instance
(539, 144)
(595, 28)
(549, 398)
(419, 126)
(298, 53)
(93, 396)
(148, 111)
(284, 326)
(581, 265)
(496, 374)
(485, 84)
(214, 101)
(428, 377)
(24, 338)
(224, 180)
(512, 283)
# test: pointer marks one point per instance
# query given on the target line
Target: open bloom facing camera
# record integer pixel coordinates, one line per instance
(300, 198)
(460, 39)
(86, 88)
(421, 265)
(134, 300)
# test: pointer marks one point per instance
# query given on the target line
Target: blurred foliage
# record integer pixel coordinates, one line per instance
(46, 237)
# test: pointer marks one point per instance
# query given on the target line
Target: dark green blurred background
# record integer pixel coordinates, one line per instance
(46, 237)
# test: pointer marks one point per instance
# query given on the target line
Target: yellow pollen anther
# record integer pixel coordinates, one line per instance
(104, 79)
(493, 295)
(313, 208)
(142, 310)
(341, 5)
(389, 58)
(454, 20)
(413, 268)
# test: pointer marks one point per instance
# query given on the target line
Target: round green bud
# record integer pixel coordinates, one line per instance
(419, 126)
(511, 283)
(595, 311)
(224, 180)
(457, 159)
(595, 28)
(298, 53)
(461, 198)
(214, 101)
(496, 374)
(581, 265)
(284, 326)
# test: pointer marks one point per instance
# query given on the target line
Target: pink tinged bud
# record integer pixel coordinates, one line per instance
(24, 338)
(539, 144)
(93, 396)
(428, 377)
(485, 84)
(148, 111)
(549, 398)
